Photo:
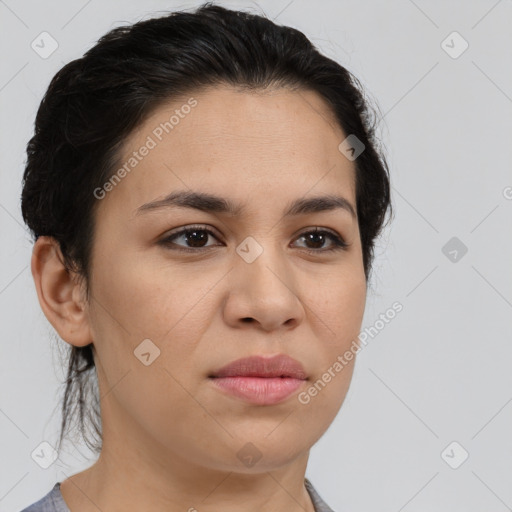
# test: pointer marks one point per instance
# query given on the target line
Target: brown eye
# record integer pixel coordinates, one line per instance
(195, 236)
(317, 239)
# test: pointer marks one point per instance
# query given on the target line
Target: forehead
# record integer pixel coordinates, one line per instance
(259, 143)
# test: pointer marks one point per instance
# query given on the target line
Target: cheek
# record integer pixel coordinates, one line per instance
(327, 391)
(145, 314)
(339, 306)
(341, 313)
(142, 299)
(146, 344)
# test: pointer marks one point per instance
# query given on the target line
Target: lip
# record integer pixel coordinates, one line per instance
(261, 380)
(280, 365)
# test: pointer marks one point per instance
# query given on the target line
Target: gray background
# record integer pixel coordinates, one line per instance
(437, 373)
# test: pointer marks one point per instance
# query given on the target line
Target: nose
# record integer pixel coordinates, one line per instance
(263, 293)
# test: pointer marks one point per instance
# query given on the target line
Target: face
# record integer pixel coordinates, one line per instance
(169, 309)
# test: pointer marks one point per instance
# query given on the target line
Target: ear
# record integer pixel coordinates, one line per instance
(60, 295)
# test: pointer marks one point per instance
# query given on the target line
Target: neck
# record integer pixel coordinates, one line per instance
(145, 476)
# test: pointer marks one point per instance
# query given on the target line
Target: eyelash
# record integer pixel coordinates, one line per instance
(338, 242)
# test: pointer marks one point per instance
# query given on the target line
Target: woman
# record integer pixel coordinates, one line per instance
(204, 190)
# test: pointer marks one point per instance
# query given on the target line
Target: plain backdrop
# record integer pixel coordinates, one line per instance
(427, 423)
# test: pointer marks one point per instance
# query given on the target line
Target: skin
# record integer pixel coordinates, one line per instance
(170, 438)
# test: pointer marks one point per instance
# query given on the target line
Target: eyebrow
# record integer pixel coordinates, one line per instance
(215, 204)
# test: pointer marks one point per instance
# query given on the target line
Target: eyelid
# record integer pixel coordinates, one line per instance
(191, 227)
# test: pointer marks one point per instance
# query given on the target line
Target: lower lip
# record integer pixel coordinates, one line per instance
(259, 390)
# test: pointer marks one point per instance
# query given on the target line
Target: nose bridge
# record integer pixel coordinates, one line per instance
(263, 287)
(261, 259)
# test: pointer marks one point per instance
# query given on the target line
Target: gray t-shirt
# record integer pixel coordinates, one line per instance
(54, 502)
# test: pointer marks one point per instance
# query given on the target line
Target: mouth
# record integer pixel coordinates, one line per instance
(261, 380)
(281, 366)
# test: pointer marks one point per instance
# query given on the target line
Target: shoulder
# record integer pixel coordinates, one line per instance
(318, 502)
(54, 502)
(51, 502)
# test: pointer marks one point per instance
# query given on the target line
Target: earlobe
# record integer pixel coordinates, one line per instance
(59, 293)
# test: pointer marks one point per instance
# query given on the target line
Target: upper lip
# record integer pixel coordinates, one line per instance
(280, 365)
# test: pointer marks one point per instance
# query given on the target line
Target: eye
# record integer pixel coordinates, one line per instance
(319, 236)
(197, 237)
